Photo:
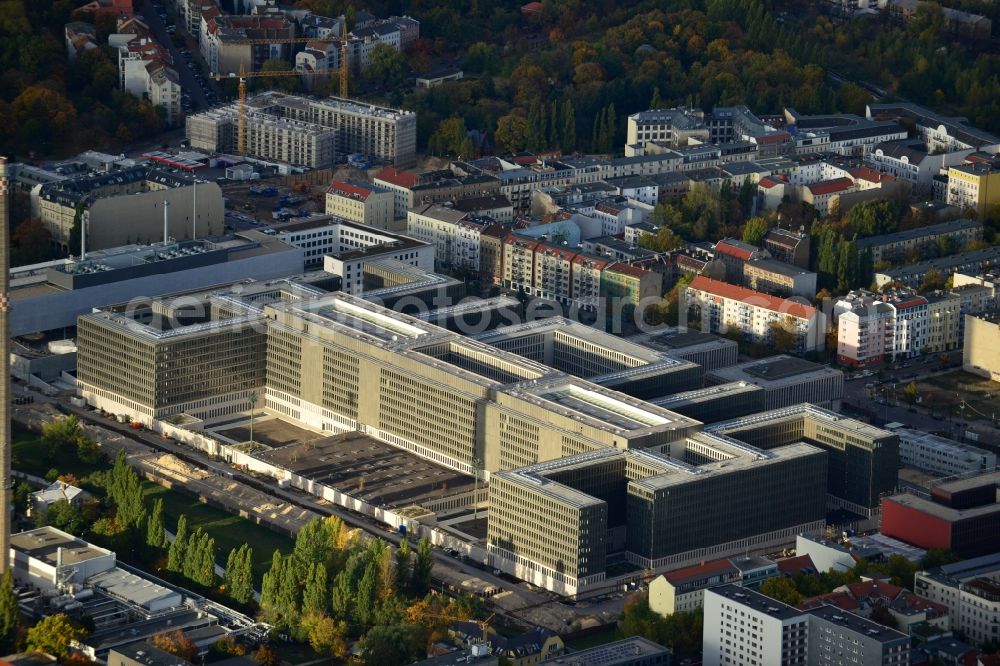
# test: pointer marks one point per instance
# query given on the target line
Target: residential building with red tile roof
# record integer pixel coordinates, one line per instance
(362, 202)
(865, 596)
(722, 306)
(399, 182)
(826, 194)
(734, 254)
(794, 566)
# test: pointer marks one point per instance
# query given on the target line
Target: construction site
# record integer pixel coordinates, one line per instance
(305, 132)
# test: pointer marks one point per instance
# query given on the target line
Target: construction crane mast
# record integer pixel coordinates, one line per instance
(241, 137)
(343, 59)
(344, 71)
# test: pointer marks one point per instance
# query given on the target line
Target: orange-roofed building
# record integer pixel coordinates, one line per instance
(361, 202)
(825, 194)
(684, 589)
(399, 182)
(114, 7)
(722, 307)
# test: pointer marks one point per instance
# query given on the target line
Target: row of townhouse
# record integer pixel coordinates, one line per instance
(573, 277)
(322, 55)
(875, 328)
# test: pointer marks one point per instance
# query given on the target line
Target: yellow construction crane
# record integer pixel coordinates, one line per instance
(244, 75)
(241, 139)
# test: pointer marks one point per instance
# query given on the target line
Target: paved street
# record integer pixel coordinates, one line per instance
(895, 408)
(189, 85)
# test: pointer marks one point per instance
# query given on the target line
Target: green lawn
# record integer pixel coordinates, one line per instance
(229, 531)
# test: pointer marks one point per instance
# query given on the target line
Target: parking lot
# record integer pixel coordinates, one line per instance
(366, 468)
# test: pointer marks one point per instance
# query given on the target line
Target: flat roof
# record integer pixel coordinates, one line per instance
(601, 406)
(802, 410)
(637, 353)
(780, 267)
(940, 510)
(370, 469)
(774, 371)
(50, 544)
(121, 584)
(970, 482)
(781, 368)
(346, 311)
(682, 339)
(717, 392)
(625, 651)
(144, 653)
(756, 601)
(871, 630)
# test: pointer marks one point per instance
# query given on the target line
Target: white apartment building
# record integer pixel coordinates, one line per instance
(910, 326)
(874, 328)
(454, 235)
(143, 69)
(939, 455)
(971, 591)
(745, 628)
(910, 161)
(163, 88)
(724, 306)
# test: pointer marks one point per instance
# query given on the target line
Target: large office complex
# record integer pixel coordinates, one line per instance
(51, 296)
(590, 353)
(707, 350)
(200, 355)
(961, 515)
(712, 494)
(555, 523)
(744, 627)
(582, 470)
(310, 132)
(862, 459)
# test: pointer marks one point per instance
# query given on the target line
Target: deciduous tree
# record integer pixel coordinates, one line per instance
(53, 635)
(176, 643)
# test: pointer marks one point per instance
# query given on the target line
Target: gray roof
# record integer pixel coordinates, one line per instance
(948, 263)
(626, 651)
(872, 631)
(920, 232)
(144, 653)
(957, 127)
(913, 150)
(780, 267)
(756, 601)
